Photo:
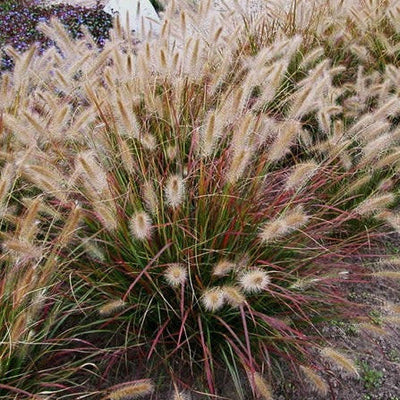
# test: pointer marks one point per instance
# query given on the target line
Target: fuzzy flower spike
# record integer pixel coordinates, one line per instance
(254, 280)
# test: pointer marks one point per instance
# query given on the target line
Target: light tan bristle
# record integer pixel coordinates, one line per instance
(373, 328)
(150, 197)
(176, 274)
(131, 391)
(340, 360)
(392, 319)
(126, 156)
(358, 184)
(22, 248)
(71, 226)
(254, 280)
(240, 160)
(387, 274)
(262, 386)
(29, 224)
(140, 225)
(389, 160)
(285, 138)
(223, 268)
(315, 380)
(375, 203)
(180, 396)
(174, 191)
(233, 296)
(213, 299)
(209, 137)
(301, 174)
(111, 307)
(283, 225)
(107, 214)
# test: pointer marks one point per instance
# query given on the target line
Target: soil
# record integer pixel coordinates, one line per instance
(375, 346)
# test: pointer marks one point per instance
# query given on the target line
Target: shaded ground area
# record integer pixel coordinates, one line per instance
(373, 344)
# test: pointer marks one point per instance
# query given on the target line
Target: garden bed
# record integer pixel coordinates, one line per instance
(200, 214)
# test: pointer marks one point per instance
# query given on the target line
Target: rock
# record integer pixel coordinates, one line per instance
(143, 18)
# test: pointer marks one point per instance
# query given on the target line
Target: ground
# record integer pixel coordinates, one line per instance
(374, 345)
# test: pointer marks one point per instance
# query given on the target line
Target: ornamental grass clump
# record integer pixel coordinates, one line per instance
(208, 183)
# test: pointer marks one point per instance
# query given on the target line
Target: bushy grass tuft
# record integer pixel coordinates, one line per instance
(203, 198)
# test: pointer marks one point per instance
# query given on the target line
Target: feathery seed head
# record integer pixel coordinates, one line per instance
(223, 268)
(71, 225)
(240, 160)
(93, 171)
(93, 250)
(132, 391)
(213, 299)
(107, 214)
(254, 280)
(127, 121)
(340, 360)
(374, 204)
(345, 159)
(296, 218)
(28, 225)
(140, 225)
(391, 159)
(176, 275)
(391, 274)
(126, 156)
(391, 106)
(183, 22)
(284, 139)
(386, 184)
(233, 296)
(150, 197)
(301, 174)
(262, 387)
(392, 319)
(208, 135)
(6, 180)
(243, 135)
(111, 307)
(375, 148)
(358, 184)
(312, 57)
(47, 179)
(315, 380)
(148, 141)
(163, 59)
(174, 191)
(22, 249)
(372, 328)
(283, 225)
(172, 152)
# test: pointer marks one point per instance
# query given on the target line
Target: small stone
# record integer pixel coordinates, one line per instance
(146, 18)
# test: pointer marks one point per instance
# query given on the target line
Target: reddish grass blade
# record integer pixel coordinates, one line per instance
(20, 391)
(156, 339)
(145, 270)
(206, 352)
(247, 338)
